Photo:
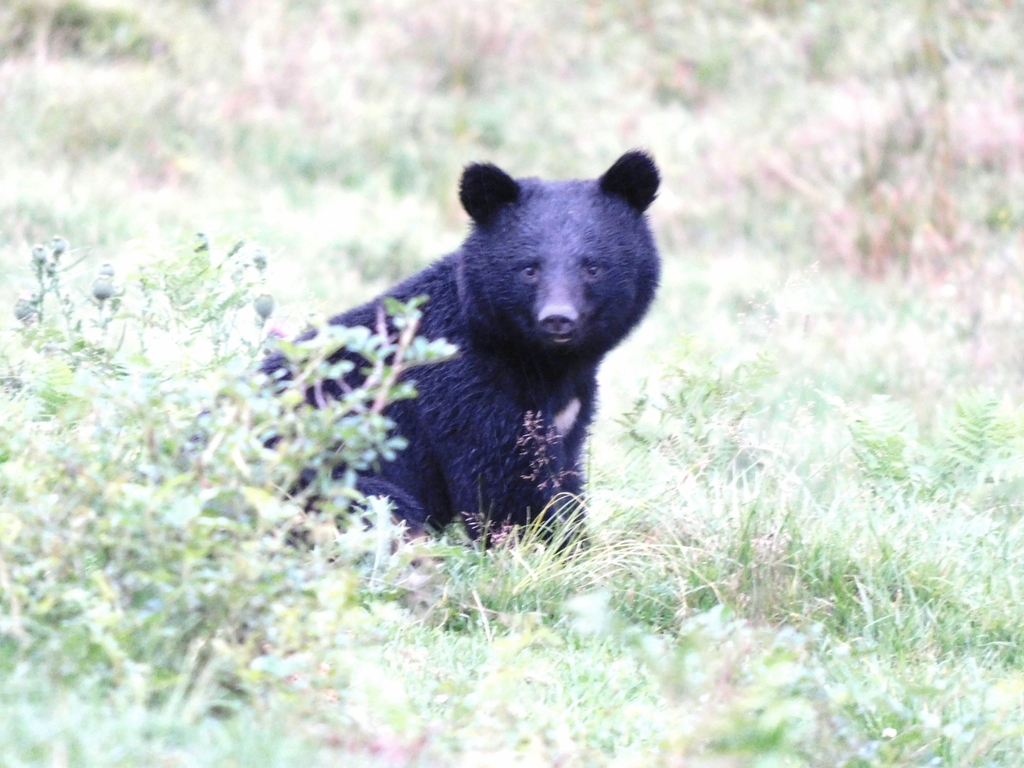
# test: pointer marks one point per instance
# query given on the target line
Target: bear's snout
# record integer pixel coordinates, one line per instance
(558, 321)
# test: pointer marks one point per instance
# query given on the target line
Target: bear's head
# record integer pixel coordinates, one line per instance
(560, 268)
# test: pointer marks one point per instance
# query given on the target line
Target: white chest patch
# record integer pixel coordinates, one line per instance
(566, 418)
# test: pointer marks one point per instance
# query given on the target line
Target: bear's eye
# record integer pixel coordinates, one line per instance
(592, 270)
(531, 272)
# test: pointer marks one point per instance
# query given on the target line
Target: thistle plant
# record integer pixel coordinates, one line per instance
(147, 533)
(51, 280)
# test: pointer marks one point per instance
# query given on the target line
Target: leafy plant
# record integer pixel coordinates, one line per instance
(160, 556)
(703, 418)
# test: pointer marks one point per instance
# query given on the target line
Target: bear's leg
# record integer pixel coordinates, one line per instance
(405, 507)
(563, 521)
(495, 496)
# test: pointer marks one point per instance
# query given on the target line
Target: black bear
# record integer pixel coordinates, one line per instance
(553, 275)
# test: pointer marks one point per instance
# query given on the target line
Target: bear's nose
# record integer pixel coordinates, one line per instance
(558, 321)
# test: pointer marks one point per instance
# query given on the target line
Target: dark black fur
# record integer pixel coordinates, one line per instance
(553, 275)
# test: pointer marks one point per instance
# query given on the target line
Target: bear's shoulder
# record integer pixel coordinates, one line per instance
(441, 312)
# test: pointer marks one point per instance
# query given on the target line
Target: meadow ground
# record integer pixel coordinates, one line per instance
(806, 474)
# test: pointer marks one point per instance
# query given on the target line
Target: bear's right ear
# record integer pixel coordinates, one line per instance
(633, 177)
(484, 189)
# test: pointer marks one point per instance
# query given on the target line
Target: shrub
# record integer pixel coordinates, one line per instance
(145, 520)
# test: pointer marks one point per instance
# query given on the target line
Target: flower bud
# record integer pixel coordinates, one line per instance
(24, 310)
(59, 246)
(259, 258)
(38, 255)
(102, 289)
(264, 305)
(106, 270)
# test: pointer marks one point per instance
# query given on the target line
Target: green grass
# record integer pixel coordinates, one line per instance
(804, 479)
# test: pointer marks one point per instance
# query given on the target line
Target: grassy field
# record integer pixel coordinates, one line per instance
(805, 479)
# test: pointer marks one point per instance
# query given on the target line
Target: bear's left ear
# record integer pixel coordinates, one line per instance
(484, 189)
(634, 177)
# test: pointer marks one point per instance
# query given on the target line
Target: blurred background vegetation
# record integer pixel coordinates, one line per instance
(807, 469)
(841, 181)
